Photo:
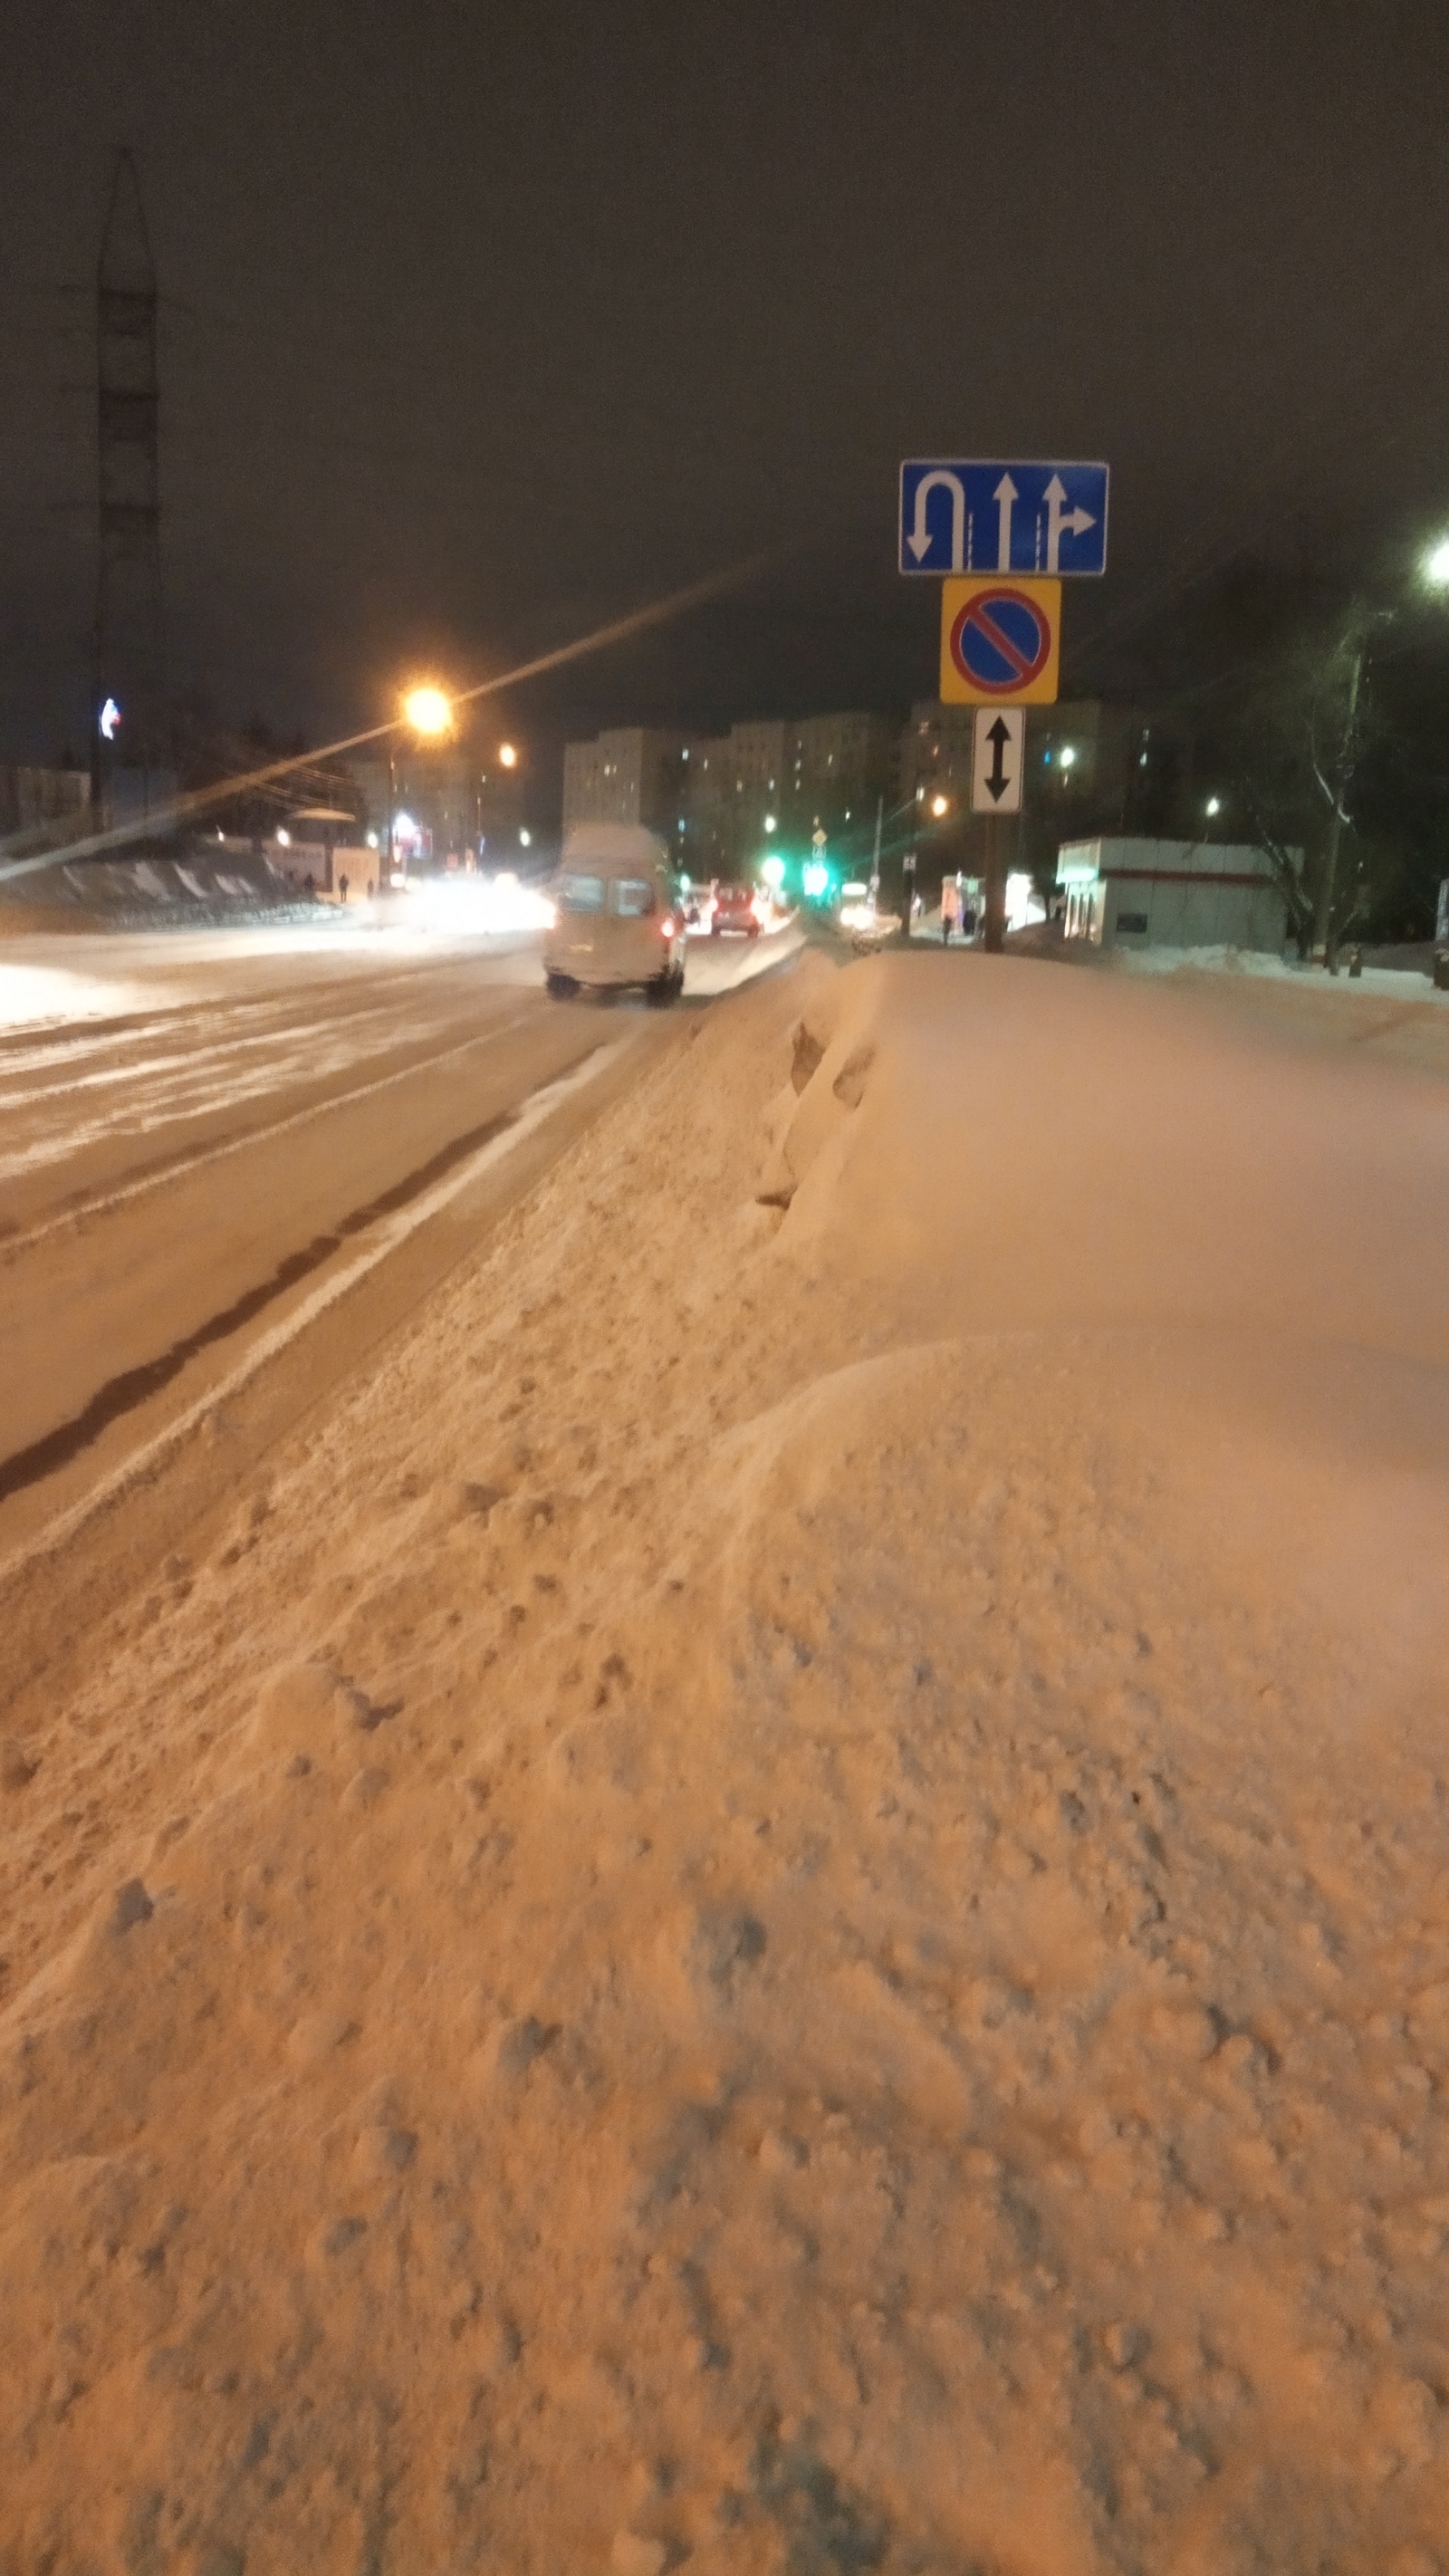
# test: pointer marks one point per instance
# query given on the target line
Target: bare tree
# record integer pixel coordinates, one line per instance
(1291, 756)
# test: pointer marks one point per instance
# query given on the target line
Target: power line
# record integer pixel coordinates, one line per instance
(618, 631)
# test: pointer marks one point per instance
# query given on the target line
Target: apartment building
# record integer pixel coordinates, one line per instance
(1090, 766)
(450, 800)
(721, 802)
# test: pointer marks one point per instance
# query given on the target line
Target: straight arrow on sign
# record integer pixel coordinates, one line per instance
(998, 746)
(1005, 496)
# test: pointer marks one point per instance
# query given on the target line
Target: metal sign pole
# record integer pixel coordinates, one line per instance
(1002, 534)
(995, 936)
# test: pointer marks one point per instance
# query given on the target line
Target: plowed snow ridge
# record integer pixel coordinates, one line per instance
(781, 1906)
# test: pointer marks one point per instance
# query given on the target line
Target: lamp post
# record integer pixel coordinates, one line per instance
(428, 712)
(1358, 633)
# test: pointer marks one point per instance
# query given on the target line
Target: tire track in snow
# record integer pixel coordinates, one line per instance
(401, 1210)
(210, 1078)
(185, 1165)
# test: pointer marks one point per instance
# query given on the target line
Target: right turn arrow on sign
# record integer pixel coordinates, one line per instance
(996, 765)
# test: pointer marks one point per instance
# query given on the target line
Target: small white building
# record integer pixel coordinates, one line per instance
(1171, 894)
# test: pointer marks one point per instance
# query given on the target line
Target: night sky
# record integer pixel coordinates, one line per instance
(481, 325)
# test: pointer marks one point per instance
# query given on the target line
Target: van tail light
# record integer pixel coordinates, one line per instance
(666, 927)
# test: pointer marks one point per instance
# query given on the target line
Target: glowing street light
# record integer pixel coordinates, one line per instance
(429, 712)
(1215, 805)
(769, 822)
(507, 755)
(1436, 565)
(939, 806)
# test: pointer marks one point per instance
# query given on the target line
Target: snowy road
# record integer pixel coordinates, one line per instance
(209, 1143)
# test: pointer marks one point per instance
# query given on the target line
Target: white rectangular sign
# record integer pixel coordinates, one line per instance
(998, 758)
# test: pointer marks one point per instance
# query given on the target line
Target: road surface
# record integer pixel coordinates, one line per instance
(230, 1162)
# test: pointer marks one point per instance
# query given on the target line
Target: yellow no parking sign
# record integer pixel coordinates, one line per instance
(1000, 641)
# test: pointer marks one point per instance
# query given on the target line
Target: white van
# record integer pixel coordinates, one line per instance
(616, 919)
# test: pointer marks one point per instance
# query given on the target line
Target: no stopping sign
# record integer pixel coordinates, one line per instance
(1000, 641)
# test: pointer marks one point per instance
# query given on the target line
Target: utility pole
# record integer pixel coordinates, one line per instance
(1327, 927)
(127, 675)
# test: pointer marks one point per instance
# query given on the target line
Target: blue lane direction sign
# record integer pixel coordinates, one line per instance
(966, 515)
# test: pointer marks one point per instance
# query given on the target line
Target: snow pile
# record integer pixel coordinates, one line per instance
(783, 1904)
(1261, 961)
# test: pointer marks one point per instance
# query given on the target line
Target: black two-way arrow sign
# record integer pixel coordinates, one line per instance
(997, 760)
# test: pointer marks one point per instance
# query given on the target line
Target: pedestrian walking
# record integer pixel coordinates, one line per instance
(950, 909)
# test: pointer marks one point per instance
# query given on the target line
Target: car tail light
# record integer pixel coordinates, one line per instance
(666, 927)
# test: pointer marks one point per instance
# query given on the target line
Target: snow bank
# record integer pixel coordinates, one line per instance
(815, 1936)
(1279, 968)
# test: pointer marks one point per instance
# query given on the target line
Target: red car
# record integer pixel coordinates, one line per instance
(734, 909)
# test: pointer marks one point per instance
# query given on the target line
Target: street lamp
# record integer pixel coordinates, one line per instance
(429, 712)
(507, 756)
(940, 805)
(1436, 565)
(1214, 805)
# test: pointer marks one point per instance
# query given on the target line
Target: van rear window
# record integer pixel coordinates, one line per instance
(581, 894)
(633, 897)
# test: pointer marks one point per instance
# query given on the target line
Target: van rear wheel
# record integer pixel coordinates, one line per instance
(560, 988)
(665, 988)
